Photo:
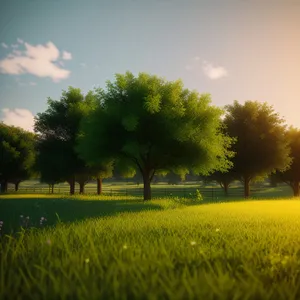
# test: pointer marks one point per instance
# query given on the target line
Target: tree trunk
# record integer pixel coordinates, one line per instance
(296, 189)
(17, 185)
(273, 181)
(247, 187)
(81, 187)
(4, 186)
(72, 186)
(99, 186)
(147, 186)
(52, 188)
(226, 185)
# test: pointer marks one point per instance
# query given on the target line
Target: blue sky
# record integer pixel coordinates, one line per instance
(234, 49)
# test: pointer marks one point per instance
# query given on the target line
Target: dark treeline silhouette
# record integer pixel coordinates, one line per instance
(150, 129)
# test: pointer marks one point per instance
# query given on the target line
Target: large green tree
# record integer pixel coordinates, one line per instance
(153, 125)
(58, 129)
(291, 176)
(17, 155)
(261, 146)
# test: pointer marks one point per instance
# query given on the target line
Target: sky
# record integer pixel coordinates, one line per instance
(233, 49)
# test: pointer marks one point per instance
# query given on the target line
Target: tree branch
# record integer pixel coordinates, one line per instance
(152, 175)
(135, 160)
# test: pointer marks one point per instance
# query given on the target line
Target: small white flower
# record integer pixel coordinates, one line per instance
(217, 229)
(21, 216)
(193, 243)
(27, 217)
(87, 260)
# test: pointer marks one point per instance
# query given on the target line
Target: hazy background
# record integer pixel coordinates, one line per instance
(234, 50)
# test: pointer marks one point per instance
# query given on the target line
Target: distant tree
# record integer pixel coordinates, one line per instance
(101, 172)
(274, 179)
(153, 125)
(291, 176)
(58, 129)
(224, 179)
(261, 146)
(121, 171)
(17, 155)
(174, 176)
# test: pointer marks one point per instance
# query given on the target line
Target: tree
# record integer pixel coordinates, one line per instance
(261, 147)
(17, 150)
(274, 179)
(99, 172)
(224, 179)
(291, 176)
(58, 130)
(154, 125)
(50, 162)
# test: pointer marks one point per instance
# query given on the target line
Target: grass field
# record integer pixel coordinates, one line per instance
(123, 248)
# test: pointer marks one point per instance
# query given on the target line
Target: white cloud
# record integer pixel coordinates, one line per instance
(83, 65)
(20, 41)
(32, 83)
(15, 46)
(19, 117)
(66, 55)
(188, 67)
(4, 45)
(36, 60)
(213, 72)
(196, 58)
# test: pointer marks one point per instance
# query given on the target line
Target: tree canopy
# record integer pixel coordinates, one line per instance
(17, 155)
(152, 124)
(291, 176)
(261, 146)
(58, 129)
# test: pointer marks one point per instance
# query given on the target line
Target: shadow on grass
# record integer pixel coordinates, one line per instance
(65, 210)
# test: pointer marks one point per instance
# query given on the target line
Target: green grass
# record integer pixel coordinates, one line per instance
(127, 249)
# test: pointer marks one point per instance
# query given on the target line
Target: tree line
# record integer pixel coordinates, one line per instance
(153, 127)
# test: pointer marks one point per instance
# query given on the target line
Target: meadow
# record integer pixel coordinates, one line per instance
(92, 247)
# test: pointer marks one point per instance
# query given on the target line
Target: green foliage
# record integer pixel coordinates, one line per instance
(154, 125)
(291, 176)
(58, 129)
(224, 179)
(261, 147)
(17, 154)
(199, 196)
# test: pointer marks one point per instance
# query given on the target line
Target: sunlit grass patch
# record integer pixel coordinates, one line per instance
(244, 250)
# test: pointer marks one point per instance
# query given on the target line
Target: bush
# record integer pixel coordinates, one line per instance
(199, 197)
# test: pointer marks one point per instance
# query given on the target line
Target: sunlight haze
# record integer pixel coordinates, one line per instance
(234, 50)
